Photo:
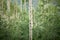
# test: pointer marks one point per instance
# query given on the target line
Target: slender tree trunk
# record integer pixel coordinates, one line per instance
(15, 8)
(8, 12)
(20, 9)
(1, 7)
(1, 4)
(30, 20)
(21, 5)
(25, 5)
(8, 5)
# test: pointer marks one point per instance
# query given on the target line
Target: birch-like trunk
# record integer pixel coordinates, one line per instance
(8, 12)
(1, 7)
(25, 5)
(20, 9)
(21, 5)
(8, 5)
(30, 20)
(15, 8)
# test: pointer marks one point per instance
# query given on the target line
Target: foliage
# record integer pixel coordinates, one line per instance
(46, 23)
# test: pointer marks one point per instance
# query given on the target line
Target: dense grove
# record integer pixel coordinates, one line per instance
(46, 22)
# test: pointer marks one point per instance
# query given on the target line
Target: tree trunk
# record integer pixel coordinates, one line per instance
(30, 20)
(8, 5)
(15, 8)
(1, 7)
(21, 5)
(25, 5)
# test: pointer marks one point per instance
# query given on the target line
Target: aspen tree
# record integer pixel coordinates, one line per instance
(30, 20)
(1, 7)
(21, 5)
(24, 5)
(8, 5)
(20, 9)
(8, 12)
(15, 8)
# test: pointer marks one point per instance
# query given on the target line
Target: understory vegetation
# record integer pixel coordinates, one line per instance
(46, 22)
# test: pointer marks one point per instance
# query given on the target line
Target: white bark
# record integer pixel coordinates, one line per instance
(30, 20)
